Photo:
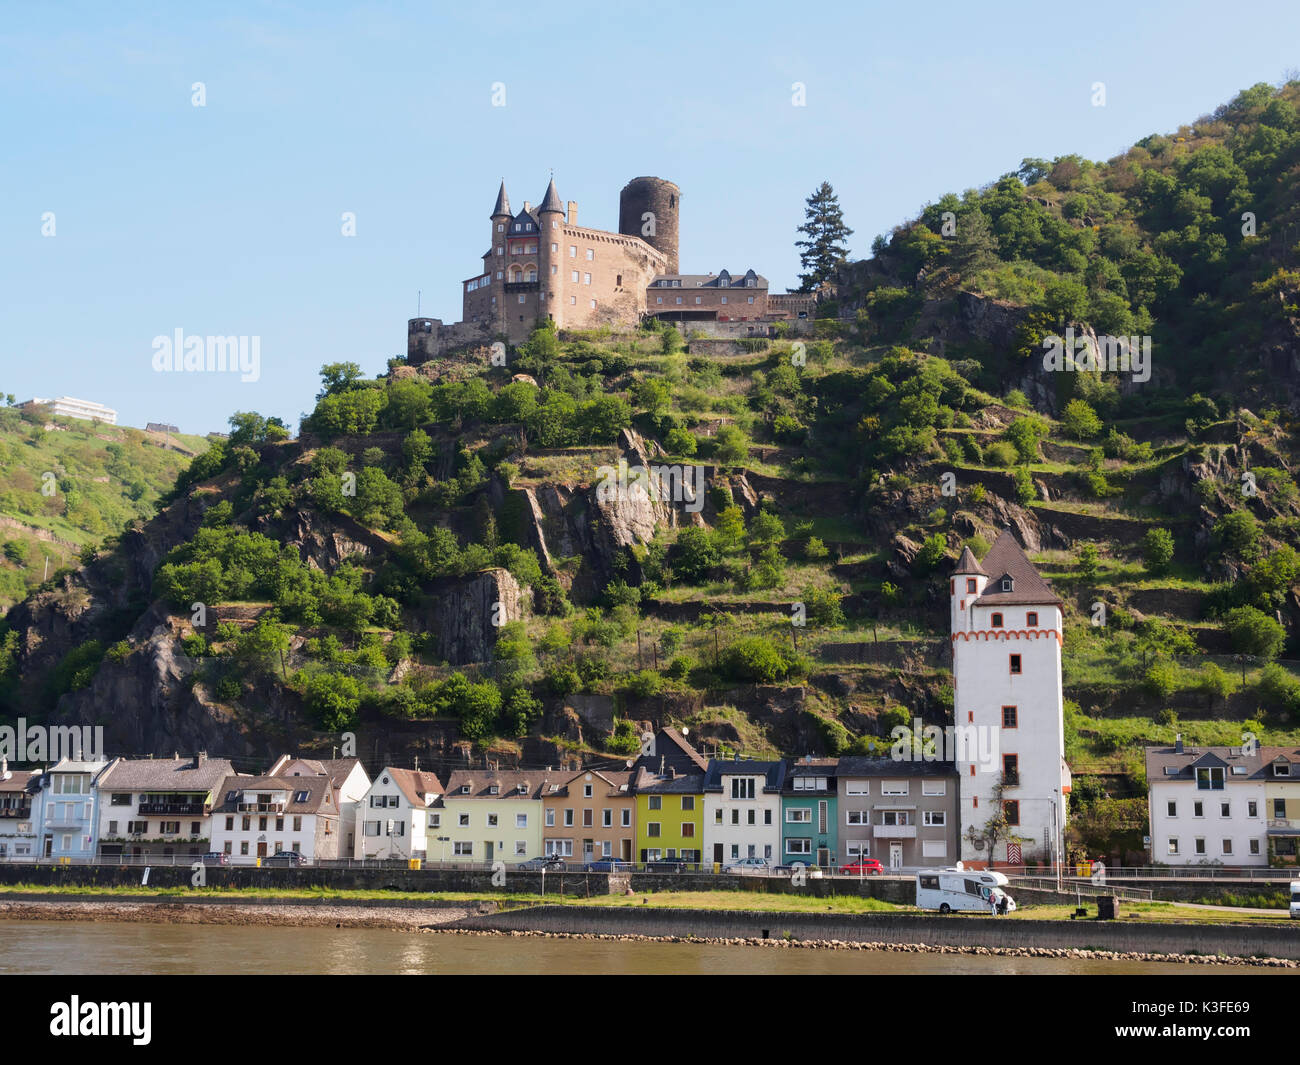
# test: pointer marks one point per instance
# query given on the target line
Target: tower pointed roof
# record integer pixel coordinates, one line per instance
(551, 201)
(968, 563)
(1012, 569)
(503, 202)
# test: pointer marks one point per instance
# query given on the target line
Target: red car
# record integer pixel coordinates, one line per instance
(863, 867)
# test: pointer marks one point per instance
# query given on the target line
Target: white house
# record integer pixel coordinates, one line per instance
(742, 810)
(394, 818)
(350, 786)
(69, 799)
(157, 807)
(1209, 805)
(1007, 704)
(254, 817)
(17, 822)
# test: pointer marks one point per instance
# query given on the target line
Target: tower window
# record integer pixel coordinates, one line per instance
(1008, 717)
(996, 621)
(1011, 769)
(970, 584)
(1012, 809)
(1015, 664)
(618, 280)
(1031, 619)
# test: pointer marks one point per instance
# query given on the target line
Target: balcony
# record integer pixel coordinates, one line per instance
(522, 286)
(1278, 822)
(190, 809)
(261, 807)
(15, 811)
(894, 831)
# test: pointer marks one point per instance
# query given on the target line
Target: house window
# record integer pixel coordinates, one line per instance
(996, 621)
(1198, 809)
(550, 818)
(1171, 809)
(492, 820)
(893, 787)
(698, 300)
(857, 787)
(1008, 717)
(798, 846)
(521, 848)
(1252, 808)
(1031, 619)
(120, 798)
(934, 787)
(857, 817)
(1006, 584)
(1254, 846)
(735, 817)
(724, 299)
(742, 787)
(586, 791)
(573, 276)
(1173, 845)
(627, 818)
(591, 254)
(568, 818)
(1015, 664)
(586, 818)
(688, 802)
(462, 820)
(1279, 809)
(555, 247)
(606, 818)
(1227, 846)
(1209, 778)
(1224, 809)
(462, 849)
(593, 305)
(1200, 845)
(1012, 810)
(652, 829)
(688, 830)
(521, 820)
(1011, 770)
(656, 802)
(933, 818)
(798, 815)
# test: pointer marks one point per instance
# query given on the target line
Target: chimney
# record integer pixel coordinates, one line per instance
(662, 759)
(573, 212)
(1178, 743)
(200, 758)
(527, 206)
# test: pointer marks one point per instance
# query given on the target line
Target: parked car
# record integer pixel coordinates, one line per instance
(285, 858)
(667, 865)
(607, 865)
(863, 867)
(215, 859)
(748, 865)
(549, 862)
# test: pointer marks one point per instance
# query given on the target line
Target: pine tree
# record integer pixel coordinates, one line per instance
(824, 250)
(975, 244)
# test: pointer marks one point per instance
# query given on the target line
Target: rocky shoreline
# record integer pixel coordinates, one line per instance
(901, 948)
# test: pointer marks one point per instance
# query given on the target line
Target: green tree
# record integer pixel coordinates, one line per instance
(1080, 421)
(1253, 632)
(823, 250)
(1157, 549)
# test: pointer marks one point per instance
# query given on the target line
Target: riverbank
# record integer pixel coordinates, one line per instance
(308, 915)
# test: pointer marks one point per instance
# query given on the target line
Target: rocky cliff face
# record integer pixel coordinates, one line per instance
(471, 613)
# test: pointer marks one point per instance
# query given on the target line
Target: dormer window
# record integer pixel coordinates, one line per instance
(1007, 584)
(464, 789)
(494, 789)
(1281, 769)
(300, 796)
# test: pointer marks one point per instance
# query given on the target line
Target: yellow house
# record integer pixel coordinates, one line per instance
(669, 816)
(488, 815)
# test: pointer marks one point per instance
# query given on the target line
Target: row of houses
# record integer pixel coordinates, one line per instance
(670, 803)
(1223, 805)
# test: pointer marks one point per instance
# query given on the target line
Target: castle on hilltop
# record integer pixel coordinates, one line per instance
(540, 264)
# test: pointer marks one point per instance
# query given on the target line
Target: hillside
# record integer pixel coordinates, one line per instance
(101, 478)
(435, 566)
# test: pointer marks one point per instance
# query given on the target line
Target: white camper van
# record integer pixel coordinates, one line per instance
(953, 890)
(1295, 898)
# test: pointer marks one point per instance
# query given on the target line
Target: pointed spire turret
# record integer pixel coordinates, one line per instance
(551, 201)
(503, 202)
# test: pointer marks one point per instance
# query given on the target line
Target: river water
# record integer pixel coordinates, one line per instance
(73, 947)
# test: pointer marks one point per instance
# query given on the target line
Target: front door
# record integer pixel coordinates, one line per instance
(895, 856)
(49, 846)
(717, 852)
(588, 852)
(487, 849)
(823, 857)
(261, 849)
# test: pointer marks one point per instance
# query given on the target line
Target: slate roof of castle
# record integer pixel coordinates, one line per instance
(1006, 559)
(967, 563)
(551, 201)
(712, 280)
(503, 202)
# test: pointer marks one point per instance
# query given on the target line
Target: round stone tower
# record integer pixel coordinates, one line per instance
(647, 208)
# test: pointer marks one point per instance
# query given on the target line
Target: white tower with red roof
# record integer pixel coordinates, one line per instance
(1006, 667)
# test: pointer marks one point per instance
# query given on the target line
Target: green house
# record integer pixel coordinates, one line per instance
(808, 814)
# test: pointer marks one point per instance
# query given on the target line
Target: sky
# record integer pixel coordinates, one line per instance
(128, 213)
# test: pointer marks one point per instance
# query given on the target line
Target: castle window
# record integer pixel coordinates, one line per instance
(500, 275)
(970, 584)
(532, 275)
(573, 301)
(593, 305)
(554, 247)
(500, 250)
(751, 283)
(573, 251)
(724, 299)
(698, 300)
(500, 228)
(1009, 717)
(679, 299)
(618, 280)
(591, 254)
(574, 277)
(659, 299)
(554, 269)
(586, 279)
(751, 299)
(521, 297)
(1031, 618)
(996, 621)
(1011, 770)
(1015, 664)
(1011, 808)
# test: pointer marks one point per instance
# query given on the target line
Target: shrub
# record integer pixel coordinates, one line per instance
(756, 659)
(681, 442)
(1157, 549)
(1253, 632)
(1080, 421)
(333, 698)
(1000, 454)
(644, 683)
